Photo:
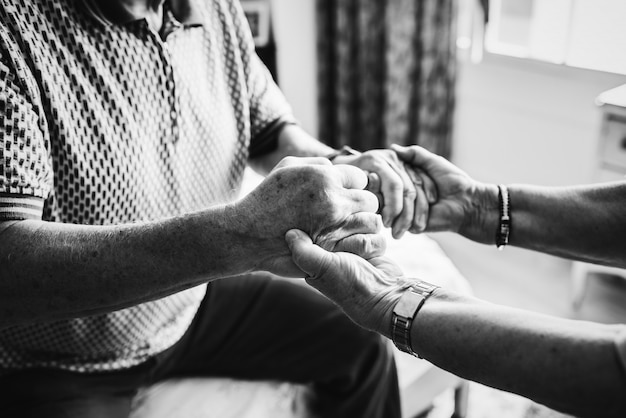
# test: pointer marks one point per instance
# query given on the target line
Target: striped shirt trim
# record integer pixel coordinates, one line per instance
(18, 207)
(266, 141)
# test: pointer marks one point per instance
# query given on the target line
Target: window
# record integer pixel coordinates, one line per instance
(581, 33)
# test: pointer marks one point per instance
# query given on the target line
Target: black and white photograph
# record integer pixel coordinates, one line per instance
(312, 209)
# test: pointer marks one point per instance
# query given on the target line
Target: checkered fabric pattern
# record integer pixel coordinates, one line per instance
(107, 124)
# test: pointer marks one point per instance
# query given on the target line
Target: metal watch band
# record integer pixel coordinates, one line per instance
(404, 313)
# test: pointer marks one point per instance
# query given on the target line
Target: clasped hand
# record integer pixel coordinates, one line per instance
(419, 191)
(367, 289)
(327, 202)
(404, 191)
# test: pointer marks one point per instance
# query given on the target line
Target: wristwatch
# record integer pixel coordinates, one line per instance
(404, 313)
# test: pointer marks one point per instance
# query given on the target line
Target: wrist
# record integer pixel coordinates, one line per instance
(257, 236)
(482, 214)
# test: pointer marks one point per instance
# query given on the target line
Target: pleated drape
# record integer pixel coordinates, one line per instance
(386, 72)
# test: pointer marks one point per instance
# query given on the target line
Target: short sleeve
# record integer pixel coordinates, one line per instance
(268, 105)
(25, 170)
(269, 109)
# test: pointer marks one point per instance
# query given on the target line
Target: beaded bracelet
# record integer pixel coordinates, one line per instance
(504, 227)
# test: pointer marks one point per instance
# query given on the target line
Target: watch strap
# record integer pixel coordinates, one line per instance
(405, 311)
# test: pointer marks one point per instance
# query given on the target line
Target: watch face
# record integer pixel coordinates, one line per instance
(408, 304)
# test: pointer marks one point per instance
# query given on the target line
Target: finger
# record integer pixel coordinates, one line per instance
(362, 223)
(429, 186)
(414, 155)
(351, 177)
(373, 182)
(391, 188)
(404, 220)
(291, 161)
(373, 185)
(420, 214)
(420, 218)
(364, 245)
(358, 223)
(361, 201)
(310, 258)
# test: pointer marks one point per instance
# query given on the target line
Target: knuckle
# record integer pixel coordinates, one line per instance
(410, 193)
(324, 241)
(362, 245)
(378, 245)
(289, 161)
(393, 157)
(395, 186)
(377, 223)
(417, 226)
(369, 157)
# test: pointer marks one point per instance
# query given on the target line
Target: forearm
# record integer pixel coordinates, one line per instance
(568, 365)
(52, 271)
(583, 222)
(586, 222)
(292, 141)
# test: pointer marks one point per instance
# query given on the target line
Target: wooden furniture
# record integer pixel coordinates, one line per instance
(610, 165)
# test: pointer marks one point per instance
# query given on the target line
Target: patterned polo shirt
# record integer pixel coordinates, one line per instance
(106, 124)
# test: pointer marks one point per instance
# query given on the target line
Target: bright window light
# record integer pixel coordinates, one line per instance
(581, 33)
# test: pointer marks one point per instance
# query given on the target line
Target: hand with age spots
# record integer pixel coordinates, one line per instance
(327, 202)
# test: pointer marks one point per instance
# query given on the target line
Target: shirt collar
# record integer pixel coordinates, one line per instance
(126, 11)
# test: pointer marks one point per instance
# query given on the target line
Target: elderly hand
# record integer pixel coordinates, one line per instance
(462, 202)
(404, 193)
(326, 201)
(367, 291)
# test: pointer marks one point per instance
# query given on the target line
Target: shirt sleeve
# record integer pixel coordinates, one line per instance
(269, 109)
(25, 172)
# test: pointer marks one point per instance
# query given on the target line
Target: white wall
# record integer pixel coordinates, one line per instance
(294, 31)
(529, 122)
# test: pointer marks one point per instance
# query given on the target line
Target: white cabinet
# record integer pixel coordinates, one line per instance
(610, 166)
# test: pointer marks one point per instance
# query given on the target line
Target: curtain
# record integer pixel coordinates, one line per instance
(386, 72)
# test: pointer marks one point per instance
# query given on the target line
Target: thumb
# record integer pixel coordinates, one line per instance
(310, 258)
(414, 155)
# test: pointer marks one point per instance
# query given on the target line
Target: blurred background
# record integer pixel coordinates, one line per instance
(512, 91)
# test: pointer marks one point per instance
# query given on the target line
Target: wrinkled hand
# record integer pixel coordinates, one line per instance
(458, 207)
(404, 193)
(367, 291)
(326, 201)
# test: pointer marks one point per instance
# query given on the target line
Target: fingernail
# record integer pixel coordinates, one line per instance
(421, 222)
(292, 235)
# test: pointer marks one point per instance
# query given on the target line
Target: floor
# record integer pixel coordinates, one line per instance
(527, 280)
